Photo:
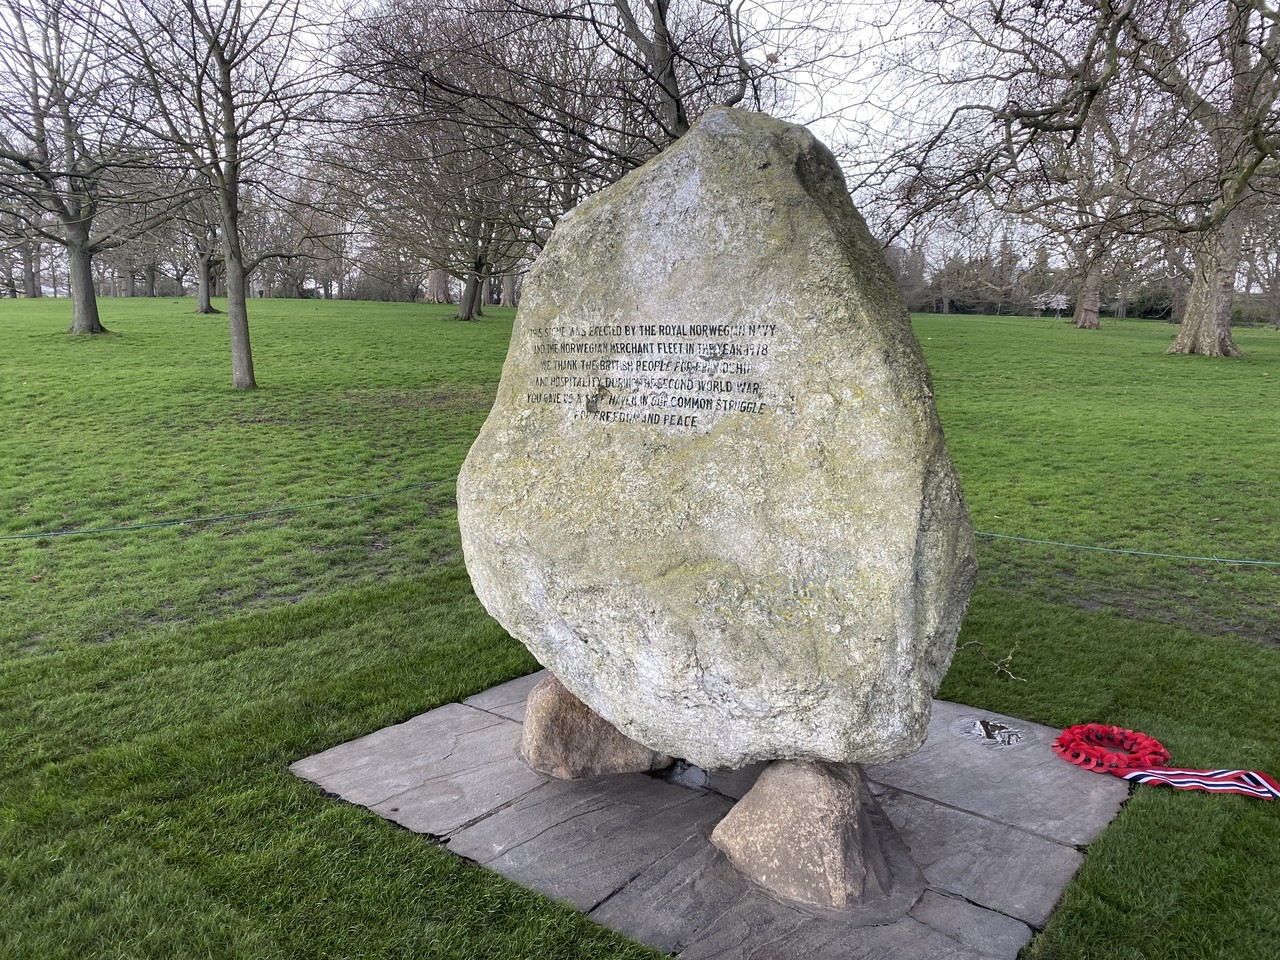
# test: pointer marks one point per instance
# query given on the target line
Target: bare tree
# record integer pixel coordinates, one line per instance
(24, 249)
(1082, 187)
(8, 266)
(593, 87)
(454, 205)
(1262, 255)
(199, 227)
(483, 121)
(74, 164)
(453, 181)
(1221, 67)
(227, 81)
(1021, 75)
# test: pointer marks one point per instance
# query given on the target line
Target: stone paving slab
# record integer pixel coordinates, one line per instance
(507, 699)
(992, 817)
(1003, 769)
(957, 852)
(431, 774)
(583, 845)
(760, 929)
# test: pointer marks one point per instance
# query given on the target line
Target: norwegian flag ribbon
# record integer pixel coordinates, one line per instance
(1249, 783)
(1137, 757)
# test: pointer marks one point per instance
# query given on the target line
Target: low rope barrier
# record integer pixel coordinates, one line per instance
(93, 531)
(1131, 553)
(187, 521)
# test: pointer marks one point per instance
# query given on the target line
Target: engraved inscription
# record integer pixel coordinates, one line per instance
(674, 375)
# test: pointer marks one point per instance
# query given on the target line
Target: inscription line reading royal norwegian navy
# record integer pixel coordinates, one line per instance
(671, 375)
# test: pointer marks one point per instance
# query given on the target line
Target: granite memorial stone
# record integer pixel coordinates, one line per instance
(713, 496)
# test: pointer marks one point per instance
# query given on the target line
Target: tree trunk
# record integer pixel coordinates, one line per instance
(1206, 322)
(438, 287)
(237, 281)
(1275, 306)
(509, 290)
(84, 301)
(204, 285)
(130, 284)
(659, 54)
(1089, 299)
(238, 314)
(467, 305)
(31, 270)
(149, 280)
(1177, 302)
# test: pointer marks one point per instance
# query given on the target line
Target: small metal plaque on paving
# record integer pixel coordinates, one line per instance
(988, 730)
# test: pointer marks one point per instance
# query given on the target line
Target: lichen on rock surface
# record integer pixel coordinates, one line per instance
(713, 496)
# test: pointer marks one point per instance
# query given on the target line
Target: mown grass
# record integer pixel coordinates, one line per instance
(144, 426)
(154, 686)
(1097, 437)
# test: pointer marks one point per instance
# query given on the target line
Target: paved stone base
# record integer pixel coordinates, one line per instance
(991, 816)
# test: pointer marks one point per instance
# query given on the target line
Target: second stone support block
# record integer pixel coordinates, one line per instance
(812, 833)
(565, 738)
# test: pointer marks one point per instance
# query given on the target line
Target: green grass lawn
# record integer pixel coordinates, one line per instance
(155, 685)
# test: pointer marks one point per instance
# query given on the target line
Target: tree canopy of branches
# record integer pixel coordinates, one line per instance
(480, 122)
(76, 168)
(1193, 86)
(225, 83)
(591, 85)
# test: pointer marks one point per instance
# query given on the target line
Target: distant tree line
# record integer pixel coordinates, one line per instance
(1121, 154)
(407, 150)
(1008, 270)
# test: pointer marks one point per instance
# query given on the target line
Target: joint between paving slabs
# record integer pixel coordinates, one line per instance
(647, 866)
(889, 788)
(961, 898)
(492, 713)
(1083, 848)
(498, 809)
(622, 886)
(445, 776)
(359, 760)
(602, 803)
(706, 791)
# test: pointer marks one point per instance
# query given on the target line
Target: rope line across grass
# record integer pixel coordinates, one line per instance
(92, 531)
(1131, 553)
(186, 521)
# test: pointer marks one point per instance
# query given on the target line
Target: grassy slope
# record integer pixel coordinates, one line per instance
(154, 686)
(1098, 438)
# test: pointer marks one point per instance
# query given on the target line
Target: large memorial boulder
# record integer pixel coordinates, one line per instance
(713, 496)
